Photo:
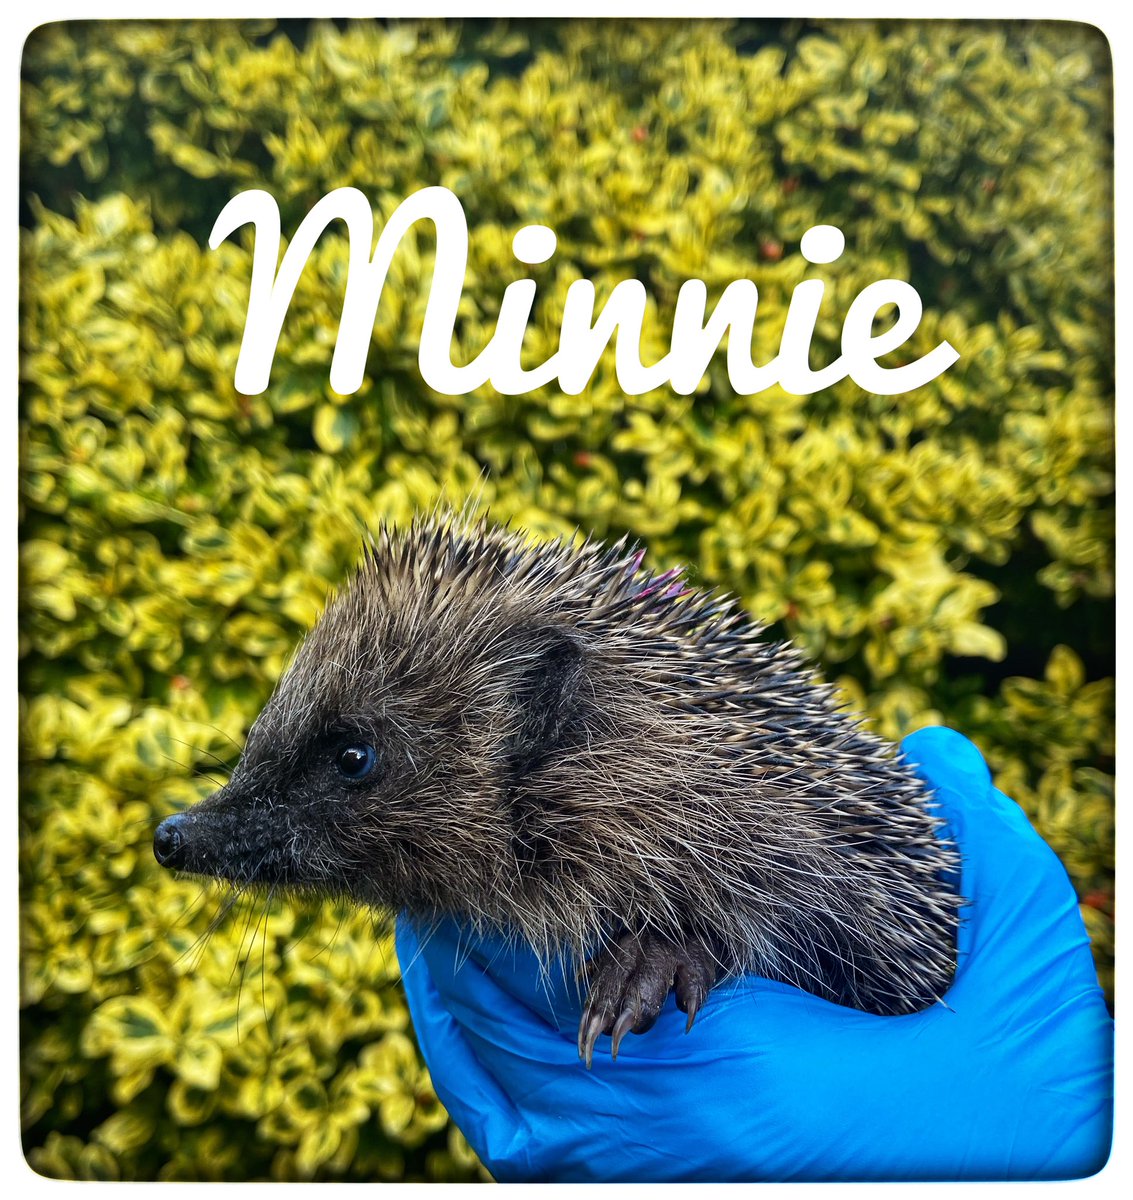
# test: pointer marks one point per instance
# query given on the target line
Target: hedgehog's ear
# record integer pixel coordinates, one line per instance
(546, 695)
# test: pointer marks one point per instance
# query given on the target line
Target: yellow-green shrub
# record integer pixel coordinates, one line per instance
(946, 554)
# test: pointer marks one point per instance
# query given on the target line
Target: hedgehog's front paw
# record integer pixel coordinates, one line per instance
(630, 982)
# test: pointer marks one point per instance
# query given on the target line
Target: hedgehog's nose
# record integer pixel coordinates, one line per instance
(169, 841)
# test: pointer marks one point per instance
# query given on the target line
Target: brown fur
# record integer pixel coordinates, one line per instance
(568, 748)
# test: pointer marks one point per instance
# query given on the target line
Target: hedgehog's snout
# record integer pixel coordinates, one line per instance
(206, 838)
(231, 835)
(169, 842)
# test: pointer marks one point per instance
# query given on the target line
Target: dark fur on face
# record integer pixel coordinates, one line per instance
(549, 741)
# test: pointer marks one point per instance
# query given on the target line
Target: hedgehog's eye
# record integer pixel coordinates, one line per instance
(355, 761)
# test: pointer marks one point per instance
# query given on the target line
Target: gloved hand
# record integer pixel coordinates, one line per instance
(1011, 1078)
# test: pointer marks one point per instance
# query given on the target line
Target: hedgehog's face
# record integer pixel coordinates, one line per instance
(383, 768)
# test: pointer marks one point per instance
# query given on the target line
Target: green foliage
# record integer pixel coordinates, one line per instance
(947, 554)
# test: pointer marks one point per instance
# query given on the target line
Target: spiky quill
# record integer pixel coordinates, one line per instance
(552, 742)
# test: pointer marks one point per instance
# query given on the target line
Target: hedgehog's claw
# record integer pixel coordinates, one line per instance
(630, 983)
(588, 1032)
(695, 976)
(692, 1010)
(621, 1027)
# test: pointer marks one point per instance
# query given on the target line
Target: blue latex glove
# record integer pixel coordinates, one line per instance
(1012, 1080)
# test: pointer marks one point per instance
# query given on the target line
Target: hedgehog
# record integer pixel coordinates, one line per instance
(553, 743)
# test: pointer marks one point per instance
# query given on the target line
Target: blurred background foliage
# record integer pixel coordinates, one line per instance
(946, 555)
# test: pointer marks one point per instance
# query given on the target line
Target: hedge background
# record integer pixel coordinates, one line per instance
(946, 555)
